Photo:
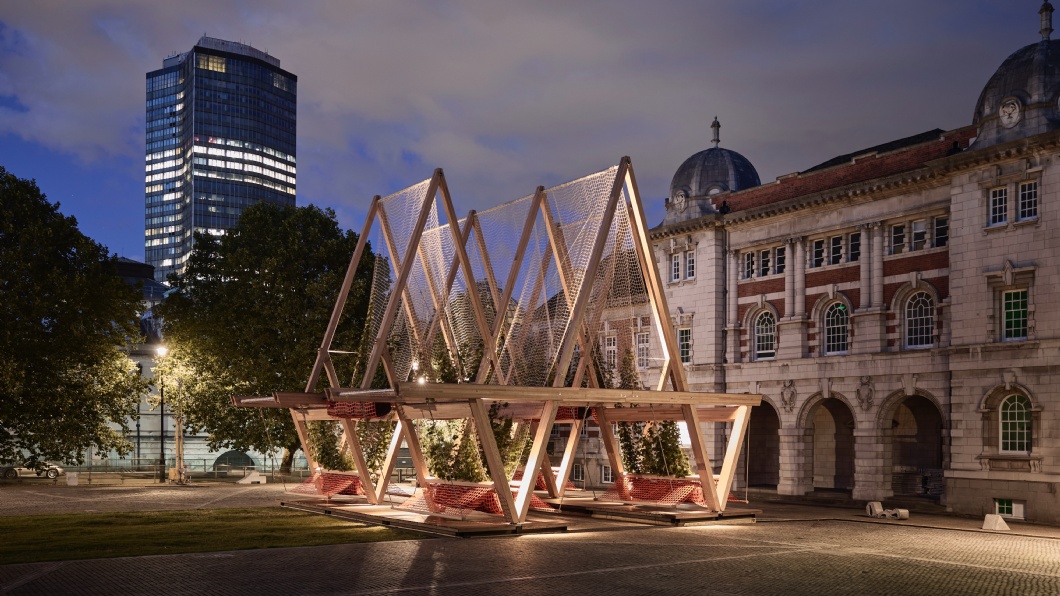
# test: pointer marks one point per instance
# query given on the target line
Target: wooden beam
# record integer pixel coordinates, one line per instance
(699, 451)
(344, 292)
(493, 459)
(415, 449)
(399, 285)
(732, 453)
(569, 451)
(509, 287)
(349, 427)
(577, 311)
(653, 284)
(485, 332)
(611, 446)
(533, 462)
(580, 396)
(389, 461)
(439, 319)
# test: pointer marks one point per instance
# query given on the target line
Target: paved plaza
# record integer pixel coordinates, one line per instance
(794, 549)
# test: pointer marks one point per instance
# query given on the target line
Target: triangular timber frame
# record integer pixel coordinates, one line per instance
(538, 406)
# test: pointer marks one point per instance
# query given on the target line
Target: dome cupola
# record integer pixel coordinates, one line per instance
(706, 174)
(1022, 99)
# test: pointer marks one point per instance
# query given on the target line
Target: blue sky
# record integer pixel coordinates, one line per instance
(503, 95)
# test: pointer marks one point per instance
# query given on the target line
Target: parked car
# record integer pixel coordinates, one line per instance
(29, 468)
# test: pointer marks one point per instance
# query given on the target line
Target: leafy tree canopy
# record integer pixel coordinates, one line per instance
(249, 313)
(65, 317)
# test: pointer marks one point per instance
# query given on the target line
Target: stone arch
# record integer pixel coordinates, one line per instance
(911, 431)
(828, 442)
(760, 462)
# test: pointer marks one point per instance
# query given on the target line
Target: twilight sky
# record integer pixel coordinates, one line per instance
(503, 95)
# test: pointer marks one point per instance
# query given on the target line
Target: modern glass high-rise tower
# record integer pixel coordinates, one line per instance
(220, 137)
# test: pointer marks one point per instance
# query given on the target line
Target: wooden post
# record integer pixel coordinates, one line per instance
(349, 427)
(388, 462)
(493, 460)
(399, 286)
(533, 463)
(732, 453)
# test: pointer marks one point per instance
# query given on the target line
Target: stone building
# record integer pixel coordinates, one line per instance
(896, 306)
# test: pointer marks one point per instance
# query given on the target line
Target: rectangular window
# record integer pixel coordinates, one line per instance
(1028, 201)
(675, 267)
(919, 240)
(606, 475)
(643, 350)
(748, 265)
(817, 258)
(684, 344)
(942, 231)
(835, 252)
(1003, 506)
(690, 264)
(764, 263)
(854, 247)
(998, 206)
(611, 352)
(781, 257)
(1014, 311)
(897, 239)
(577, 473)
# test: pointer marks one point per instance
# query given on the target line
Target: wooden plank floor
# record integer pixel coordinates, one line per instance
(473, 524)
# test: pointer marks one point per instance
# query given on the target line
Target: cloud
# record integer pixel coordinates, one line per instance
(508, 95)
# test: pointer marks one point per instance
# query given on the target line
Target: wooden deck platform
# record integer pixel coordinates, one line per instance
(473, 524)
(652, 514)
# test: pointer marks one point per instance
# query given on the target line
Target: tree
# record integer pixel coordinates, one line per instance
(65, 320)
(249, 313)
(630, 433)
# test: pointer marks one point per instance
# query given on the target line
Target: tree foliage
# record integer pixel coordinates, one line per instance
(249, 314)
(65, 320)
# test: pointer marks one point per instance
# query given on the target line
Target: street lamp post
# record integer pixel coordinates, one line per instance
(161, 351)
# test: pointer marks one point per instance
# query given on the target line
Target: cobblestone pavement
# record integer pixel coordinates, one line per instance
(793, 550)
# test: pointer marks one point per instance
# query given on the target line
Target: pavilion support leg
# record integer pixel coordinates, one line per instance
(568, 456)
(493, 459)
(732, 454)
(546, 469)
(389, 461)
(614, 451)
(533, 463)
(699, 450)
(365, 475)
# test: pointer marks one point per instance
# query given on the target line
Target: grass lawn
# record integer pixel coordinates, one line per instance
(32, 538)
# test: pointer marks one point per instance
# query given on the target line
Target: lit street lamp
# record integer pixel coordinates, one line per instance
(162, 351)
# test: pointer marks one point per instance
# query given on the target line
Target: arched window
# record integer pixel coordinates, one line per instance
(920, 321)
(1015, 418)
(836, 322)
(765, 336)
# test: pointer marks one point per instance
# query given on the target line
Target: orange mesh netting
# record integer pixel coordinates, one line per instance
(356, 409)
(458, 499)
(540, 483)
(329, 484)
(665, 491)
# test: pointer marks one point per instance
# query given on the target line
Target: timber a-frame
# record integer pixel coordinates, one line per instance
(442, 281)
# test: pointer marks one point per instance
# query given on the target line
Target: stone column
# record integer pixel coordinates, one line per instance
(865, 267)
(800, 277)
(789, 279)
(877, 265)
(796, 465)
(731, 308)
(872, 473)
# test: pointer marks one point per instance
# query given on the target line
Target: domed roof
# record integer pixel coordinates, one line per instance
(707, 173)
(712, 171)
(1023, 97)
